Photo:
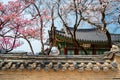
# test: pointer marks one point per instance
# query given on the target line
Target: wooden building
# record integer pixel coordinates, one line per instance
(94, 41)
(20, 66)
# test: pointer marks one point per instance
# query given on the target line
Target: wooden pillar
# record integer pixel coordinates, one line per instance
(76, 51)
(65, 51)
(94, 50)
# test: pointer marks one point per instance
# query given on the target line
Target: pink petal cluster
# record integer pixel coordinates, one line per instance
(29, 31)
(7, 43)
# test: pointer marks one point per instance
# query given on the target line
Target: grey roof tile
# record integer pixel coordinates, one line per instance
(79, 62)
(91, 35)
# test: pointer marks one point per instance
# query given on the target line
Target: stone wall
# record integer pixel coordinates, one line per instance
(61, 75)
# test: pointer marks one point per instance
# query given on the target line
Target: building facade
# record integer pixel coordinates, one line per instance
(94, 41)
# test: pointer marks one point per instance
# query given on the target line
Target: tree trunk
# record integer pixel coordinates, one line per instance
(109, 39)
(30, 46)
(76, 42)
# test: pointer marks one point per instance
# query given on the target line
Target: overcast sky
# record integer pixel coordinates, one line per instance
(5, 1)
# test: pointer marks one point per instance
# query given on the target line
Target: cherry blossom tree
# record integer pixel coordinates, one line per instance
(7, 14)
(40, 11)
(13, 19)
(11, 22)
(27, 32)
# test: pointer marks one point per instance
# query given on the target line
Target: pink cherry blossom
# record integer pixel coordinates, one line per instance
(7, 43)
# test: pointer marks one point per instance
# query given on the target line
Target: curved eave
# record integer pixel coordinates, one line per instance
(86, 37)
(69, 40)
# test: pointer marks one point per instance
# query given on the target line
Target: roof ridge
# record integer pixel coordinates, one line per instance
(84, 29)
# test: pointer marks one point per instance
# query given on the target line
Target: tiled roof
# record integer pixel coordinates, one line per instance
(80, 63)
(90, 35)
